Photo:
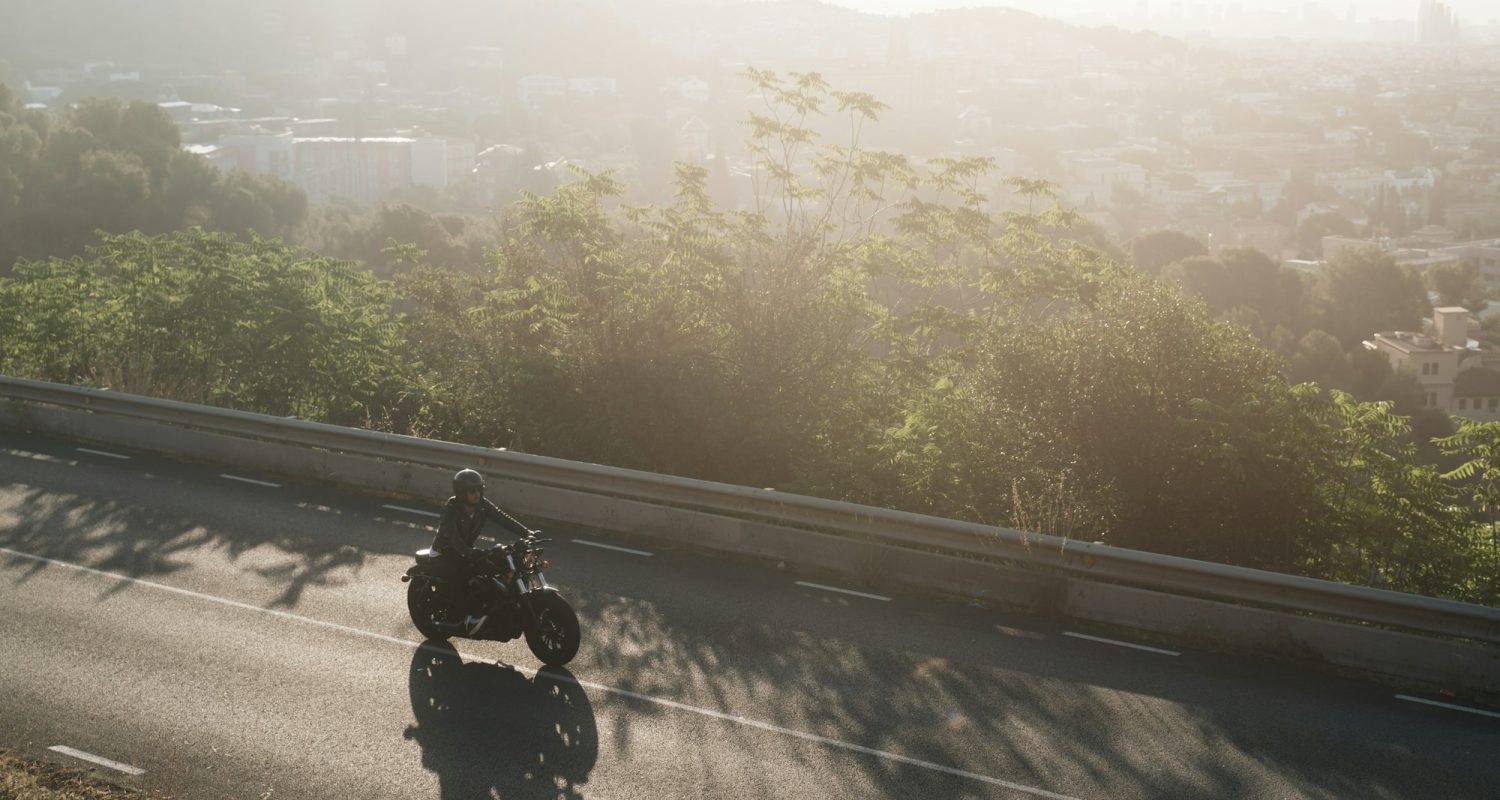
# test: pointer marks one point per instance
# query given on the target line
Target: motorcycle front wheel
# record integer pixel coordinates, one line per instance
(552, 633)
(426, 607)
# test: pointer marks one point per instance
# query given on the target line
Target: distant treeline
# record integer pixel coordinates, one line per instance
(869, 333)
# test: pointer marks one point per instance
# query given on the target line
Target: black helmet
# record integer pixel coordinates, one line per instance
(466, 479)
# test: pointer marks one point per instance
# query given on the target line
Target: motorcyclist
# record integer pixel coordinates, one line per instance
(463, 516)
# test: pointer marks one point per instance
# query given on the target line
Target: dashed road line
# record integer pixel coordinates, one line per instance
(843, 591)
(1452, 707)
(412, 510)
(613, 547)
(101, 761)
(598, 687)
(250, 480)
(101, 453)
(1119, 643)
(39, 457)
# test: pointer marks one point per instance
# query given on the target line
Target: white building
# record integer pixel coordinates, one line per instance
(429, 163)
(1426, 249)
(1096, 178)
(535, 89)
(1456, 376)
(364, 169)
(593, 86)
(260, 153)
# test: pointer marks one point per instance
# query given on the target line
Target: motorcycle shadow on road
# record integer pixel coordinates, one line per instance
(486, 727)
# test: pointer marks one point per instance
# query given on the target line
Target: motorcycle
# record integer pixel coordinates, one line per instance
(507, 583)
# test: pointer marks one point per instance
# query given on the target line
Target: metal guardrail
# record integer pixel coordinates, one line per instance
(1167, 574)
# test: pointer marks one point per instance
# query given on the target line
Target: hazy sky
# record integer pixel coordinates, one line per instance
(1473, 10)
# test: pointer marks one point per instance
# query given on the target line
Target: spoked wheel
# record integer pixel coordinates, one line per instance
(554, 635)
(426, 606)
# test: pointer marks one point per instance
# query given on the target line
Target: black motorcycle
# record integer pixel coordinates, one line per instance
(506, 583)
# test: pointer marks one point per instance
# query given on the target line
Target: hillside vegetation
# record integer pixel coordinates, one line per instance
(869, 331)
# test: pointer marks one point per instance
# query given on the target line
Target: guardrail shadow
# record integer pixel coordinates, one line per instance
(485, 728)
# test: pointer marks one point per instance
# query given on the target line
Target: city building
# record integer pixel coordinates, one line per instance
(1096, 178)
(365, 169)
(362, 169)
(1437, 24)
(1425, 248)
(1456, 375)
(261, 153)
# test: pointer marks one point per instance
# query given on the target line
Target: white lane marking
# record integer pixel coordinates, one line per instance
(612, 547)
(813, 737)
(842, 591)
(413, 510)
(200, 596)
(1450, 706)
(598, 687)
(250, 480)
(39, 457)
(102, 453)
(1118, 643)
(103, 762)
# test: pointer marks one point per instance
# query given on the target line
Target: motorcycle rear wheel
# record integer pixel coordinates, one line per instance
(426, 608)
(553, 633)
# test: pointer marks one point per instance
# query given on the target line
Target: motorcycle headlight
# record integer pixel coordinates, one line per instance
(529, 561)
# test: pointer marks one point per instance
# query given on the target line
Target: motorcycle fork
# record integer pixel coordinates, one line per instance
(521, 586)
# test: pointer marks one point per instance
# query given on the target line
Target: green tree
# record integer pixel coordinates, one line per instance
(210, 318)
(1478, 444)
(1244, 283)
(869, 329)
(117, 167)
(1457, 284)
(1362, 292)
(1157, 249)
(1201, 276)
(1310, 232)
(1386, 519)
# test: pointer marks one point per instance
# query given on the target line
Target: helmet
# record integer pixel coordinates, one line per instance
(466, 479)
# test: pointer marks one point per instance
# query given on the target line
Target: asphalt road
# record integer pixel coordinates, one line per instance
(210, 637)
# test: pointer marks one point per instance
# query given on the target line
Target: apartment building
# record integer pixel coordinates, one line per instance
(1455, 373)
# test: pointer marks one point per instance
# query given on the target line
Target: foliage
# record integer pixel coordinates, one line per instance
(1385, 519)
(1310, 232)
(870, 329)
(1478, 444)
(210, 318)
(1457, 284)
(1365, 291)
(1244, 278)
(373, 237)
(117, 167)
(1157, 249)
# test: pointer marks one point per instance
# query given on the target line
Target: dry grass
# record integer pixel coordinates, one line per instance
(27, 779)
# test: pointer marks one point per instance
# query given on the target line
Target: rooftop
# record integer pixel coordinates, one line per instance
(1410, 342)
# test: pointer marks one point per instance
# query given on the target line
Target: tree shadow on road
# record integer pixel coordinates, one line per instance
(930, 682)
(485, 728)
(1017, 710)
(151, 526)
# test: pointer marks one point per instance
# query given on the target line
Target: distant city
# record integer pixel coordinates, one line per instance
(1270, 144)
(1380, 20)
